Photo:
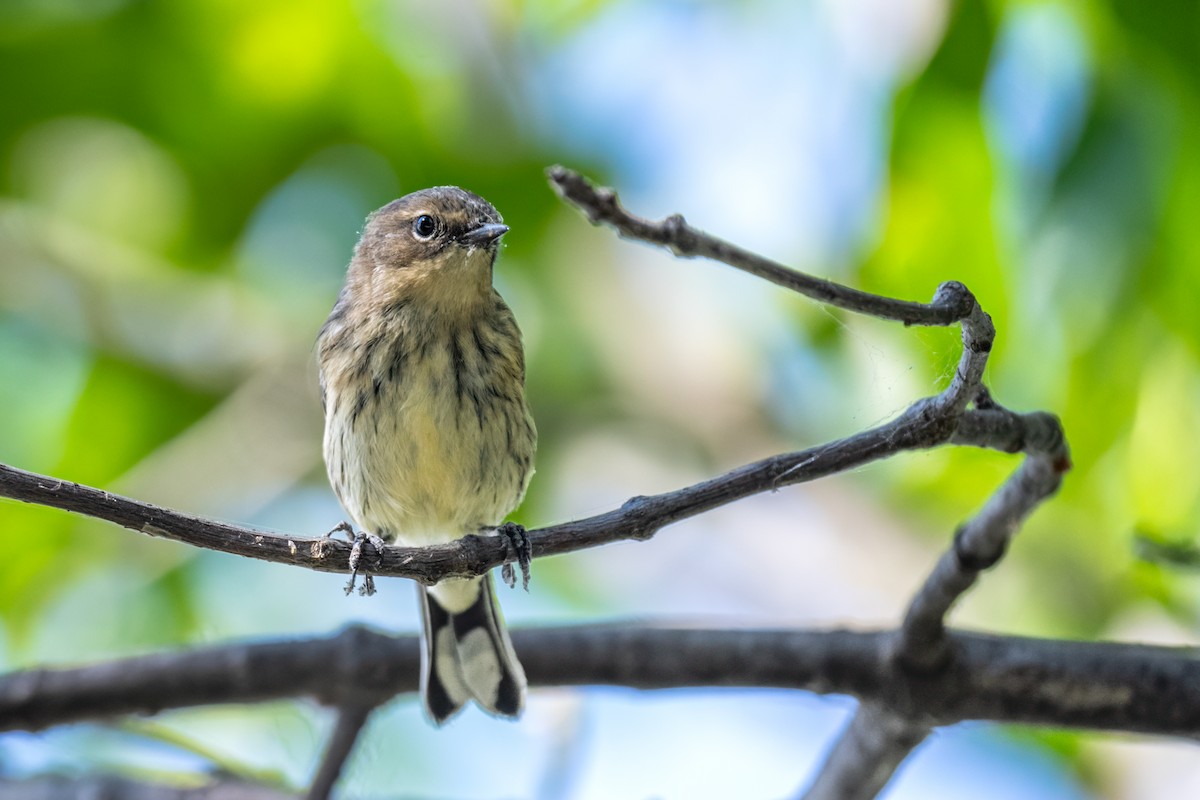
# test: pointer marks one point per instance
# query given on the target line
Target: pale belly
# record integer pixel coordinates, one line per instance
(429, 459)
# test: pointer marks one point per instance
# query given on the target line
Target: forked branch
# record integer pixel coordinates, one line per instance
(880, 736)
(909, 680)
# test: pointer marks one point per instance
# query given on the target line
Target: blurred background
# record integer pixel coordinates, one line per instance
(181, 184)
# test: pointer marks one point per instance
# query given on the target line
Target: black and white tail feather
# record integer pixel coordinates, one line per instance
(469, 656)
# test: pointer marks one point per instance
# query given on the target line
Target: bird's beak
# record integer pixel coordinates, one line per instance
(483, 235)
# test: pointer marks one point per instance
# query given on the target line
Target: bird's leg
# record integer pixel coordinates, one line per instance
(377, 544)
(518, 543)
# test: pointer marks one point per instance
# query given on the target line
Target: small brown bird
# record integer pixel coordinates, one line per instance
(427, 434)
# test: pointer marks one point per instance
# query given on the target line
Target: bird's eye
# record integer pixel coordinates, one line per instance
(424, 226)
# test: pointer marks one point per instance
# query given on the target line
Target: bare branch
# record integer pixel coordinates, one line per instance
(925, 424)
(866, 755)
(908, 680)
(877, 741)
(355, 668)
(978, 545)
(111, 787)
(350, 723)
(601, 205)
(1000, 429)
(878, 738)
(1105, 686)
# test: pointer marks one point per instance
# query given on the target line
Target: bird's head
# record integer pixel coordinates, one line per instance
(436, 247)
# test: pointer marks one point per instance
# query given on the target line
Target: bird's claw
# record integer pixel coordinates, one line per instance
(360, 539)
(341, 527)
(518, 543)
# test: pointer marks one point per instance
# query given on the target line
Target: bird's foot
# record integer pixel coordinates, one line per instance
(361, 540)
(518, 543)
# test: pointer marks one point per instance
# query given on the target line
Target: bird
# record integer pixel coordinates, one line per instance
(428, 436)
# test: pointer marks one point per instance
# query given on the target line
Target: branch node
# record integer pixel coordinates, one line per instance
(928, 422)
(974, 560)
(1044, 434)
(641, 528)
(678, 236)
(956, 298)
(922, 656)
(606, 203)
(983, 400)
(633, 504)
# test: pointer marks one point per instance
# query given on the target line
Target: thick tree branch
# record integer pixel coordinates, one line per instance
(1106, 686)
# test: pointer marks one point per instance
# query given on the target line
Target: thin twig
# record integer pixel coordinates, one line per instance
(601, 205)
(866, 755)
(977, 545)
(878, 739)
(925, 424)
(351, 720)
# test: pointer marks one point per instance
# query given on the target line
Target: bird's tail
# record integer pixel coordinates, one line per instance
(468, 653)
